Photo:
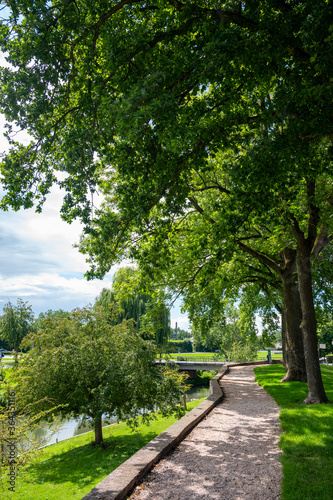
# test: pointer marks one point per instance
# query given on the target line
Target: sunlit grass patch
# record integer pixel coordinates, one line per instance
(307, 440)
(71, 468)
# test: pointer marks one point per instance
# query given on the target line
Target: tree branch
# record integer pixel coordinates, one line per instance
(199, 209)
(271, 263)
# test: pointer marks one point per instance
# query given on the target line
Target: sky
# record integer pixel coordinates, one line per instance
(38, 262)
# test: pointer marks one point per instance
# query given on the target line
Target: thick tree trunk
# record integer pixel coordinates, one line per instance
(309, 328)
(283, 335)
(98, 430)
(292, 317)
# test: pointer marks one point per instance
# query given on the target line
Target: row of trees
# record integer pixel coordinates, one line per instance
(207, 128)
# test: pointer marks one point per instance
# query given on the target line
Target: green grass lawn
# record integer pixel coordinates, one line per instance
(307, 440)
(206, 356)
(70, 469)
(7, 361)
(263, 355)
(191, 355)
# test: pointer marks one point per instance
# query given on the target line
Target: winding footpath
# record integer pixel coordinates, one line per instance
(232, 454)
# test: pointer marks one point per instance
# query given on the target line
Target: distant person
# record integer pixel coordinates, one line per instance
(269, 357)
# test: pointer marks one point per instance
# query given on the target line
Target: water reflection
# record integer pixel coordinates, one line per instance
(68, 428)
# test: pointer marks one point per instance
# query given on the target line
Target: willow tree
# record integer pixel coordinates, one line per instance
(151, 315)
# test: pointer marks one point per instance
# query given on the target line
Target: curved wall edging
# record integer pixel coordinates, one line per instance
(118, 484)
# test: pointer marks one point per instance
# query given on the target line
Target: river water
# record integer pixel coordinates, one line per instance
(73, 427)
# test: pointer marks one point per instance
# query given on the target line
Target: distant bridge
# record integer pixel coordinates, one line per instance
(192, 366)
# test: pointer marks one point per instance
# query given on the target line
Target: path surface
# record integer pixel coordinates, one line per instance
(232, 454)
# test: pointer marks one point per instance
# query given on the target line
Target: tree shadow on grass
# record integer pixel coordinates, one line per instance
(307, 443)
(87, 463)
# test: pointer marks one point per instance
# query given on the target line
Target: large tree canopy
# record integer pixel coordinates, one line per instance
(156, 86)
(170, 107)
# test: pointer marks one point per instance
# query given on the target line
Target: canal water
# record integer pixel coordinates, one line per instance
(68, 428)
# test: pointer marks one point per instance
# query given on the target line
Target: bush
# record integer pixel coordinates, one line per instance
(240, 353)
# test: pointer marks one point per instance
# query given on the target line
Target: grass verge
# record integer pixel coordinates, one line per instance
(307, 441)
(7, 362)
(207, 356)
(71, 468)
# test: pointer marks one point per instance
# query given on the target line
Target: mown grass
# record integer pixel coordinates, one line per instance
(307, 440)
(263, 355)
(191, 355)
(71, 468)
(205, 356)
(7, 362)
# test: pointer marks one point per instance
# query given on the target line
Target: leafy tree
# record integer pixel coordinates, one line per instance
(160, 91)
(151, 316)
(180, 334)
(40, 323)
(15, 323)
(325, 334)
(20, 444)
(91, 368)
(241, 352)
(234, 329)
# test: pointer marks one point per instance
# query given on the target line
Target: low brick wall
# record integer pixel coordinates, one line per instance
(122, 480)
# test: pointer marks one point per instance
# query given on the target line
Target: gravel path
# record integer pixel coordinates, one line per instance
(232, 454)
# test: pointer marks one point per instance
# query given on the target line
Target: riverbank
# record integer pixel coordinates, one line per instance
(71, 468)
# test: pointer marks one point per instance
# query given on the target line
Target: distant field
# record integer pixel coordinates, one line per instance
(196, 356)
(263, 355)
(213, 356)
(7, 361)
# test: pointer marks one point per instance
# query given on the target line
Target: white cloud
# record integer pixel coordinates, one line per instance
(49, 284)
(39, 263)
(51, 291)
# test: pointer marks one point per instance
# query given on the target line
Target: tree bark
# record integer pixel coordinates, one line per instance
(292, 338)
(309, 327)
(292, 317)
(98, 430)
(283, 336)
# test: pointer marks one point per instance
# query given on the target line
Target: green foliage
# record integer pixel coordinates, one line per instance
(73, 467)
(15, 323)
(90, 367)
(40, 323)
(235, 334)
(241, 352)
(20, 442)
(203, 378)
(306, 440)
(150, 314)
(180, 334)
(325, 331)
(207, 129)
